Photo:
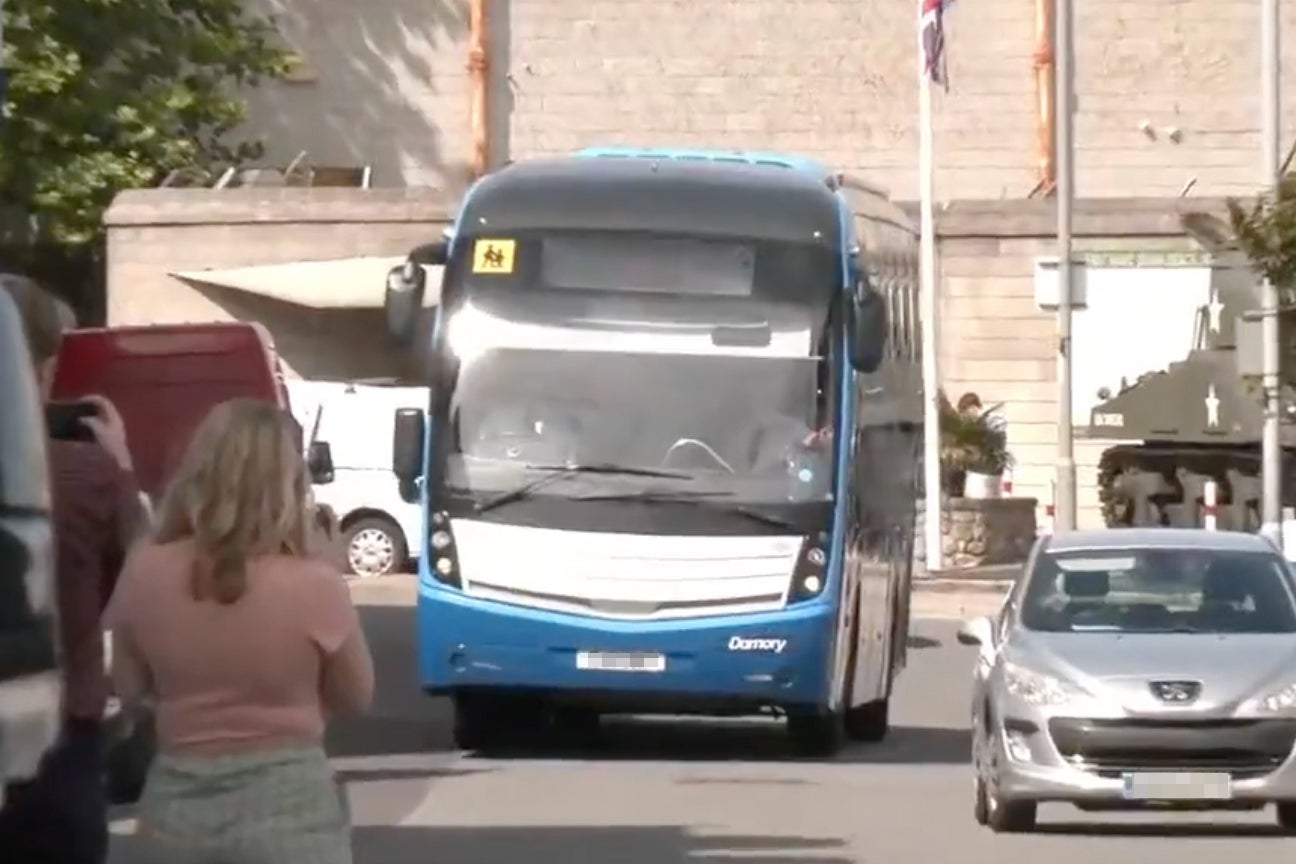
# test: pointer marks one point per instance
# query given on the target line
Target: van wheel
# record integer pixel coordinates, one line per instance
(1287, 816)
(374, 546)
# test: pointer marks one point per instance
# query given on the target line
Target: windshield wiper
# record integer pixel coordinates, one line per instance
(562, 471)
(695, 496)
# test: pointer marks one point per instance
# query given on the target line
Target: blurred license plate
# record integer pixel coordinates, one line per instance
(1178, 786)
(621, 661)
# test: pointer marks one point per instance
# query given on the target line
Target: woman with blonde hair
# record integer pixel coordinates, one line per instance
(245, 643)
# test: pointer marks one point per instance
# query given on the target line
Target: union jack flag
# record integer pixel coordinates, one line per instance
(931, 23)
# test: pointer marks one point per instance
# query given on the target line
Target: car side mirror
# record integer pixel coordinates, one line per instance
(976, 631)
(319, 462)
(408, 433)
(868, 330)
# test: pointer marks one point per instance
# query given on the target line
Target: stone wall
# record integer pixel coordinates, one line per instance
(833, 78)
(978, 532)
(996, 341)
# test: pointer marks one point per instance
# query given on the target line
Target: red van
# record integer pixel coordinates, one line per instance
(164, 378)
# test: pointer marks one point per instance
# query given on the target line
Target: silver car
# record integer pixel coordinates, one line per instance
(1138, 668)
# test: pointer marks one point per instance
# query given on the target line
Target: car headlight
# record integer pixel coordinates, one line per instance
(1279, 701)
(1037, 688)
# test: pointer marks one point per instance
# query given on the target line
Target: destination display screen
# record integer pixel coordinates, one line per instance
(648, 264)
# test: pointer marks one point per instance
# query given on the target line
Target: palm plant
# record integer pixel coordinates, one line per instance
(973, 439)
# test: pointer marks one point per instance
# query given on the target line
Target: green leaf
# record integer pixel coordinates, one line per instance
(105, 95)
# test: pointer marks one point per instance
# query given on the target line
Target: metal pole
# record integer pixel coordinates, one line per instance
(928, 312)
(1065, 514)
(1271, 455)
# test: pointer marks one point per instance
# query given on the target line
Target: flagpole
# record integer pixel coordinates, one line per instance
(928, 313)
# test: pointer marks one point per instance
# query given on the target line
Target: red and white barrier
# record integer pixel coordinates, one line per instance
(1210, 506)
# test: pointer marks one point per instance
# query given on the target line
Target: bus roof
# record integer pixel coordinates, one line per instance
(803, 164)
(702, 197)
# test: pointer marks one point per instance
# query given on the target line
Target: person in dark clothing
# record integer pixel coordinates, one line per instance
(61, 815)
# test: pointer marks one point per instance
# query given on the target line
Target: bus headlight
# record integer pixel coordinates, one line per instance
(808, 577)
(441, 545)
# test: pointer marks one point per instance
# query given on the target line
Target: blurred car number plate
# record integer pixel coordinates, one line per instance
(1177, 786)
(621, 661)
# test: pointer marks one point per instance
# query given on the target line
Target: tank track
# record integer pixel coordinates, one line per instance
(1161, 484)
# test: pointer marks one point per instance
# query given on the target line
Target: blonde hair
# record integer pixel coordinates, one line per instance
(241, 492)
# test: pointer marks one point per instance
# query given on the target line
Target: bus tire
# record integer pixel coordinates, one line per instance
(869, 722)
(492, 720)
(820, 735)
(480, 721)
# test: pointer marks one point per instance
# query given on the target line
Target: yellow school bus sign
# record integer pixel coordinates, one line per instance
(493, 257)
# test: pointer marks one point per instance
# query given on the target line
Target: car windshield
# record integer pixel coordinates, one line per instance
(1159, 591)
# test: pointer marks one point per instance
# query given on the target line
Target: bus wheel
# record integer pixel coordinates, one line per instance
(575, 727)
(869, 722)
(820, 735)
(486, 721)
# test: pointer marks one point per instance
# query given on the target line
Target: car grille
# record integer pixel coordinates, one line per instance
(1243, 748)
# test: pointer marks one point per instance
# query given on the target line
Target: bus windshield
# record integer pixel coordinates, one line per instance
(738, 425)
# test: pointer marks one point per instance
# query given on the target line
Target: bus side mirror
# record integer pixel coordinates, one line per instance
(868, 330)
(407, 451)
(403, 300)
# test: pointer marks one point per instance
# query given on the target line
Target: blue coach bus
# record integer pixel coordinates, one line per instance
(671, 458)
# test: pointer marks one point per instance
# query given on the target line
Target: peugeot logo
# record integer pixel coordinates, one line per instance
(1176, 692)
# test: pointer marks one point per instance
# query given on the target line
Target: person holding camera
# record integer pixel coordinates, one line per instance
(61, 815)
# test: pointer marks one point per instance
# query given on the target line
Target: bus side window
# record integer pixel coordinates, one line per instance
(910, 273)
(917, 333)
(894, 311)
(903, 312)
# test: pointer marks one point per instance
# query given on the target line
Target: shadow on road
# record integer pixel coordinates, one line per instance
(1161, 830)
(669, 739)
(667, 844)
(922, 642)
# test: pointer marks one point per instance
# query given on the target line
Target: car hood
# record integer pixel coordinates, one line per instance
(1231, 667)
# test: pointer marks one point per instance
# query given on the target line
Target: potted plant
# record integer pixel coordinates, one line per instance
(974, 448)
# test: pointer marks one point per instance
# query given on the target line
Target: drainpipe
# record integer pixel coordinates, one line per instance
(1044, 97)
(479, 73)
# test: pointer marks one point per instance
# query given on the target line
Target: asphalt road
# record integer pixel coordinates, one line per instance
(662, 792)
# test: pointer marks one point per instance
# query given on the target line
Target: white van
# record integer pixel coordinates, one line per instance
(355, 419)
(30, 693)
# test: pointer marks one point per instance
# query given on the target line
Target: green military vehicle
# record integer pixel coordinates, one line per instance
(1195, 422)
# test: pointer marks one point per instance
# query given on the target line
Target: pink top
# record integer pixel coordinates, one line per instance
(260, 672)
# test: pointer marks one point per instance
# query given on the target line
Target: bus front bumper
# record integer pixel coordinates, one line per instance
(713, 664)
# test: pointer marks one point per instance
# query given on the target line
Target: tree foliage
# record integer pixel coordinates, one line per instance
(104, 95)
(1266, 233)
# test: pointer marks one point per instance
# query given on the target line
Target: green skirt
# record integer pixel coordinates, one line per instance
(281, 806)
